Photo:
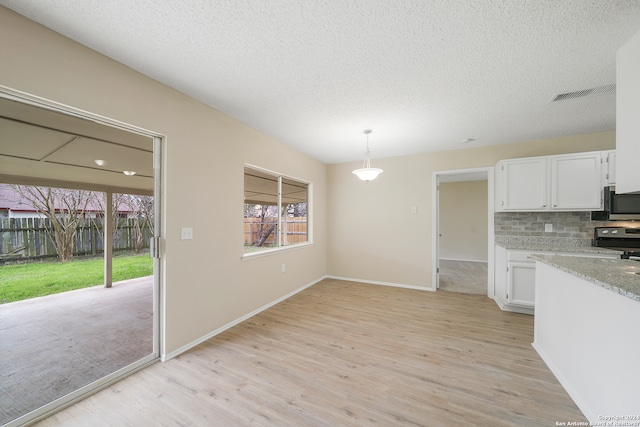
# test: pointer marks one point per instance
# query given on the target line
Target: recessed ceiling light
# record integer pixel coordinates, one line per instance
(467, 140)
(100, 162)
(129, 173)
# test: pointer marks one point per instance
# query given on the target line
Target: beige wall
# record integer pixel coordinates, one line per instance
(463, 220)
(207, 283)
(373, 234)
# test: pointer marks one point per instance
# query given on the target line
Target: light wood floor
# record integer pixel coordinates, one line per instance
(348, 354)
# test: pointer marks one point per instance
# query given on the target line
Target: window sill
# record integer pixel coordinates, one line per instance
(268, 252)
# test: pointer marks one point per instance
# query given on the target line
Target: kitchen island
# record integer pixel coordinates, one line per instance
(515, 268)
(587, 330)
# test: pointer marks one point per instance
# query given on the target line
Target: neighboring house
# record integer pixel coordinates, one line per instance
(14, 205)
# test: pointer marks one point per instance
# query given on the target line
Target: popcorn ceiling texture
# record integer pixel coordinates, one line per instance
(423, 74)
(569, 225)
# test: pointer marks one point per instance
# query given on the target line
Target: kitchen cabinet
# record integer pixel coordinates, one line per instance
(521, 283)
(570, 182)
(588, 336)
(576, 183)
(627, 113)
(523, 184)
(514, 280)
(515, 276)
(609, 167)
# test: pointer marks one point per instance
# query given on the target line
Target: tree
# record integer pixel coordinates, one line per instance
(267, 216)
(297, 210)
(142, 216)
(65, 210)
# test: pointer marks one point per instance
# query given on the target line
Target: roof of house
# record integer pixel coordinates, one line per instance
(10, 199)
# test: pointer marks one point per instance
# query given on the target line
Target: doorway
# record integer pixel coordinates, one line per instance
(463, 231)
(65, 155)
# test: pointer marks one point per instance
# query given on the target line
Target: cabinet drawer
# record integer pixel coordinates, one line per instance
(522, 256)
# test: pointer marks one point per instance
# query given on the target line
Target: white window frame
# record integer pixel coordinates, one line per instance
(295, 246)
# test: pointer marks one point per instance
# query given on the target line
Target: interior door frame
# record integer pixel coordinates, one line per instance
(435, 225)
(158, 279)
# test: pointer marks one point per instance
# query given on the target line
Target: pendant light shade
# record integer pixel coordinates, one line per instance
(366, 172)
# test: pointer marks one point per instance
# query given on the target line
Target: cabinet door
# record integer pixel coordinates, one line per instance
(524, 184)
(576, 182)
(521, 283)
(610, 175)
(627, 113)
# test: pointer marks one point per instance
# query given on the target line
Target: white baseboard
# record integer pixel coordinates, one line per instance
(177, 352)
(375, 282)
(463, 260)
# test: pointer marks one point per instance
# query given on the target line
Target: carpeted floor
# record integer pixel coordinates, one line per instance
(51, 346)
(469, 277)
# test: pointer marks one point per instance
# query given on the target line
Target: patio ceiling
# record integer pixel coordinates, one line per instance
(44, 147)
(262, 189)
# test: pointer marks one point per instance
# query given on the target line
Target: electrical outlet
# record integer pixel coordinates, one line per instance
(186, 233)
(548, 228)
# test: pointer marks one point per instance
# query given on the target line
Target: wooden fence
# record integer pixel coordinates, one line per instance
(294, 231)
(26, 239)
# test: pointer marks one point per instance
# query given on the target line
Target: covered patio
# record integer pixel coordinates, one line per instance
(50, 346)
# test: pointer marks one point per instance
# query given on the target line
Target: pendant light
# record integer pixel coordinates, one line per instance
(366, 172)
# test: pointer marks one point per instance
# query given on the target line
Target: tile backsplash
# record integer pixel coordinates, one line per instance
(575, 225)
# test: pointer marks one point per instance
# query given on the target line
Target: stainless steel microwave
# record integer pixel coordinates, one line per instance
(618, 206)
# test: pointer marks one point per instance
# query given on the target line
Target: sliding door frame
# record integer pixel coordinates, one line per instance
(158, 279)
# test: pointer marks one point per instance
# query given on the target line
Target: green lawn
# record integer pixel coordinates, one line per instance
(24, 281)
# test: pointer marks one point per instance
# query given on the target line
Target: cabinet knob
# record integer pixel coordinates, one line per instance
(555, 206)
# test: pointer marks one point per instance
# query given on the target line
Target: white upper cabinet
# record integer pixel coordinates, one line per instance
(628, 116)
(570, 182)
(576, 182)
(524, 184)
(609, 167)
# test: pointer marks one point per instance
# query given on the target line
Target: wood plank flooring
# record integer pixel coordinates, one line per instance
(347, 354)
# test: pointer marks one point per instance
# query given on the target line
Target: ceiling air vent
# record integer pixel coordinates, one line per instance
(600, 90)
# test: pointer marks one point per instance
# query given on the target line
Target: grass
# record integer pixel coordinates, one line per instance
(24, 281)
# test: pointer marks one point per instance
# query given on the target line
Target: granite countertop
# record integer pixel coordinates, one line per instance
(552, 244)
(621, 276)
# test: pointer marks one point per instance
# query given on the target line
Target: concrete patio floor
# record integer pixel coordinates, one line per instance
(52, 345)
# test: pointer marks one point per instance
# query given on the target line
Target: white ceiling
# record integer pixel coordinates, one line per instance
(423, 74)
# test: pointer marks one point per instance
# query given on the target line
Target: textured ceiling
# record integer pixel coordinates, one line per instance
(423, 74)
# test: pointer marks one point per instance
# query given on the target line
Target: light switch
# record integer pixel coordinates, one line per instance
(414, 209)
(186, 233)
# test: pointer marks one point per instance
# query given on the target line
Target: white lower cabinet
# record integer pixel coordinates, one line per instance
(521, 283)
(515, 280)
(515, 277)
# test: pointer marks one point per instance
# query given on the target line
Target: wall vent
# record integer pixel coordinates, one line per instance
(600, 90)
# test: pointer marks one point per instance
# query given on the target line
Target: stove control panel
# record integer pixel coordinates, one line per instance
(617, 232)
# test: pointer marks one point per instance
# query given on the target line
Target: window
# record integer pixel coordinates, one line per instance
(275, 210)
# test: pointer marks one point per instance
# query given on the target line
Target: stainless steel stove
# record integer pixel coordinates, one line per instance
(623, 239)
